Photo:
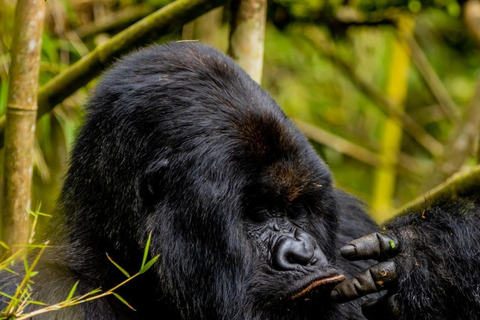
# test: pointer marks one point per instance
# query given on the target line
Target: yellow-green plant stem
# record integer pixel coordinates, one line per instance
(247, 35)
(385, 176)
(20, 120)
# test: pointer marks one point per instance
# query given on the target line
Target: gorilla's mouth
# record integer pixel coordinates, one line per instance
(322, 282)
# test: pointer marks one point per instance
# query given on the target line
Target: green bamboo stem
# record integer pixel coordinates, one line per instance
(385, 178)
(20, 120)
(247, 35)
(460, 184)
(119, 19)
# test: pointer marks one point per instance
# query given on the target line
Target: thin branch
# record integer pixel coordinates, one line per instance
(460, 184)
(461, 143)
(384, 103)
(161, 22)
(354, 151)
(114, 21)
(432, 80)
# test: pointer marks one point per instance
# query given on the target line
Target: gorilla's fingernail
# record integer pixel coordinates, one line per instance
(348, 251)
(335, 295)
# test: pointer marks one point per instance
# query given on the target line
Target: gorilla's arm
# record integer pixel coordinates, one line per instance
(434, 267)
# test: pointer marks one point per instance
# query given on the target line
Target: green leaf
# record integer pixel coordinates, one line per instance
(149, 264)
(118, 267)
(6, 295)
(72, 292)
(145, 252)
(25, 264)
(3, 244)
(33, 274)
(10, 270)
(123, 300)
(37, 303)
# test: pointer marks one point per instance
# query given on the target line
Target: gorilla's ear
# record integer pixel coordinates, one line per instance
(151, 184)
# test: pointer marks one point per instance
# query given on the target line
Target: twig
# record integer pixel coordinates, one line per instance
(386, 105)
(352, 150)
(460, 184)
(460, 144)
(433, 82)
(117, 20)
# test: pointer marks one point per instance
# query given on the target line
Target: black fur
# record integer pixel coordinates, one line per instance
(179, 142)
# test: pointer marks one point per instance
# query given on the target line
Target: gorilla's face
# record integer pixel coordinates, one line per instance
(290, 219)
(249, 228)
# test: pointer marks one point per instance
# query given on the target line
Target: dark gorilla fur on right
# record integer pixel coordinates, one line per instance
(181, 144)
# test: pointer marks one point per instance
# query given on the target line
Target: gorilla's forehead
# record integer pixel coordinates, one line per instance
(195, 108)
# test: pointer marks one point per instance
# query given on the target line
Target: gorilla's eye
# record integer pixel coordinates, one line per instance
(258, 215)
(296, 213)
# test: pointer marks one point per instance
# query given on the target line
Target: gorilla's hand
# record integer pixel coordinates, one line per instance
(379, 277)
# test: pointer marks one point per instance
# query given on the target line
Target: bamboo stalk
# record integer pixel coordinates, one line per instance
(20, 120)
(247, 35)
(386, 176)
(471, 16)
(460, 184)
(209, 29)
(117, 20)
(161, 22)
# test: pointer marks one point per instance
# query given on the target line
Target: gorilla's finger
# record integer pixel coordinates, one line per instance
(377, 278)
(385, 308)
(373, 246)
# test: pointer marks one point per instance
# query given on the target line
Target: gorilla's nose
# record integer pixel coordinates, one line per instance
(292, 251)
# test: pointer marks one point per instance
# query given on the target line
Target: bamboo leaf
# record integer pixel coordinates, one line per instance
(72, 292)
(6, 295)
(118, 267)
(37, 303)
(149, 264)
(145, 252)
(123, 300)
(25, 264)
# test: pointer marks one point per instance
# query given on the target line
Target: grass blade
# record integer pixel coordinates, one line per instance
(118, 267)
(72, 291)
(123, 300)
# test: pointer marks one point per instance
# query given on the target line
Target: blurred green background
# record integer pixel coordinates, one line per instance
(333, 66)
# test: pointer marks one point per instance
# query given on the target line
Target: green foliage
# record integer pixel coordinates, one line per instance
(21, 299)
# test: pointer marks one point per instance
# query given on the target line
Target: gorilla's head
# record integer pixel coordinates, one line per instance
(179, 142)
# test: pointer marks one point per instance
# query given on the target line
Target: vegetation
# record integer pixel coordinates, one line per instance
(387, 91)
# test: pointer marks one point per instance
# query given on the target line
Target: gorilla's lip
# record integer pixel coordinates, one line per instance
(318, 282)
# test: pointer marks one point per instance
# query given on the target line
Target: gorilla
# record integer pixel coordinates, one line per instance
(180, 143)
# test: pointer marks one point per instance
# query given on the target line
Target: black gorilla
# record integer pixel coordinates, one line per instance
(179, 142)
